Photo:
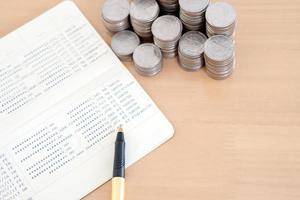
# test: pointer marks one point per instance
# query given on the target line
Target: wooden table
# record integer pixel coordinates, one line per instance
(236, 139)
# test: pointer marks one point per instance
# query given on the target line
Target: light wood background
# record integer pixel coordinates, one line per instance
(237, 139)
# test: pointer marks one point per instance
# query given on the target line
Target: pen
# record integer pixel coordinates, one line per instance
(118, 180)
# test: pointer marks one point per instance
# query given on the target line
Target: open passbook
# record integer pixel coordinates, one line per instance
(62, 95)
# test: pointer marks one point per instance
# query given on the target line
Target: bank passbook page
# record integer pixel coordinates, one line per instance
(63, 93)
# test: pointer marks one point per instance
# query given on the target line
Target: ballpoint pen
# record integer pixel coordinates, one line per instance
(118, 180)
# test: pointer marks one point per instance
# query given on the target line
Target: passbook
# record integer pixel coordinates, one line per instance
(63, 93)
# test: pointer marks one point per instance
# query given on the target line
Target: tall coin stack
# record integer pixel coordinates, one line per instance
(167, 31)
(142, 15)
(168, 6)
(192, 14)
(220, 19)
(191, 50)
(115, 15)
(147, 59)
(124, 43)
(219, 57)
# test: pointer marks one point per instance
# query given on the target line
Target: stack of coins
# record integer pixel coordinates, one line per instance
(142, 15)
(168, 6)
(192, 14)
(219, 56)
(147, 59)
(115, 15)
(167, 31)
(124, 43)
(220, 20)
(190, 50)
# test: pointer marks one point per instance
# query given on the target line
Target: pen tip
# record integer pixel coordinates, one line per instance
(120, 129)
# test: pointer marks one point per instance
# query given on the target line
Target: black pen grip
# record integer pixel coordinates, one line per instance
(119, 162)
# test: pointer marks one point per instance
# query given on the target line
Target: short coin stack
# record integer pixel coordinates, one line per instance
(192, 14)
(190, 50)
(220, 19)
(115, 15)
(124, 43)
(142, 15)
(168, 6)
(167, 31)
(219, 56)
(147, 59)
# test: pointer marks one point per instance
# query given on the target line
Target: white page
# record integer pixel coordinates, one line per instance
(62, 95)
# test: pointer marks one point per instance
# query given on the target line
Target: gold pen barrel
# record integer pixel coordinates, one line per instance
(118, 188)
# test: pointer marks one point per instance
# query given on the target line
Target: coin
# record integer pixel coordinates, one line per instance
(167, 31)
(142, 15)
(124, 43)
(115, 15)
(147, 59)
(219, 56)
(192, 13)
(168, 6)
(220, 19)
(191, 50)
(219, 48)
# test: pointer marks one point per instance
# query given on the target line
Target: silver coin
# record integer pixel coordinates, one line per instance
(144, 11)
(220, 69)
(152, 73)
(192, 13)
(167, 31)
(220, 72)
(168, 6)
(219, 48)
(218, 63)
(142, 15)
(189, 65)
(220, 14)
(115, 15)
(193, 5)
(219, 77)
(124, 43)
(147, 59)
(115, 10)
(220, 20)
(191, 50)
(116, 27)
(219, 56)
(167, 28)
(192, 44)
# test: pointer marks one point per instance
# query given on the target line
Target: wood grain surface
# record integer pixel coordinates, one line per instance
(237, 139)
